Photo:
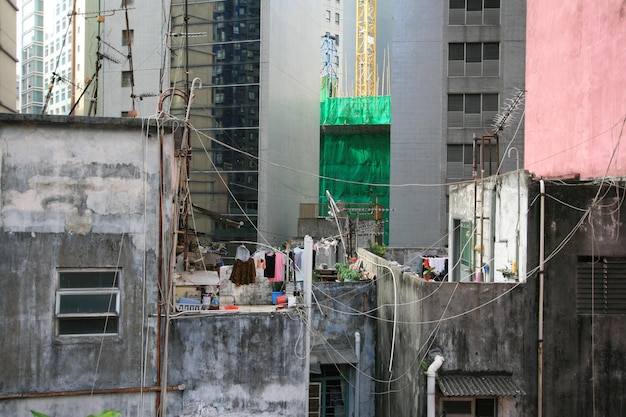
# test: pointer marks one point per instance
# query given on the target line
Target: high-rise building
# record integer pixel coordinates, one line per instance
(332, 44)
(8, 56)
(132, 51)
(454, 66)
(32, 61)
(87, 58)
(254, 118)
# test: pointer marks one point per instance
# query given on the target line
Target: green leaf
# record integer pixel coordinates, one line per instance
(107, 413)
(38, 414)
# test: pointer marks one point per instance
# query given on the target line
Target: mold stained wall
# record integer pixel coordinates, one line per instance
(476, 327)
(340, 309)
(238, 365)
(76, 193)
(584, 354)
(504, 222)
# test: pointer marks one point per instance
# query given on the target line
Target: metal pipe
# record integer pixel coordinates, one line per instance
(542, 189)
(307, 267)
(357, 379)
(430, 387)
(514, 269)
(19, 395)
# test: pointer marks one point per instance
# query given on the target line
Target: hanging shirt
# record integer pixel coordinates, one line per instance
(270, 269)
(243, 272)
(297, 261)
(259, 260)
(279, 265)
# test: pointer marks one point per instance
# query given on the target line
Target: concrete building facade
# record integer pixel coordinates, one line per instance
(94, 197)
(8, 55)
(454, 65)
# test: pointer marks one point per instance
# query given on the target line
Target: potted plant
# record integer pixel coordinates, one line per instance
(345, 272)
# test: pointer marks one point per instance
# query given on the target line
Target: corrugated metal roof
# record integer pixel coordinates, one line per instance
(473, 385)
(332, 355)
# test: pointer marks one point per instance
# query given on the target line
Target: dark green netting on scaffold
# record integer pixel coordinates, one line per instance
(375, 110)
(354, 164)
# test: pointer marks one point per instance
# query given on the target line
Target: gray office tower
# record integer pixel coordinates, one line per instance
(455, 65)
(254, 117)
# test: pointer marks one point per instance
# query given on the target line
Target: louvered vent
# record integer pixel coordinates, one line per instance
(601, 285)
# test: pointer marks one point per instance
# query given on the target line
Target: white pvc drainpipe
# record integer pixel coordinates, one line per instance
(430, 385)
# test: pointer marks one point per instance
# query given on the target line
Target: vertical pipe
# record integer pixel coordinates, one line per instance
(430, 385)
(307, 265)
(357, 379)
(159, 272)
(542, 188)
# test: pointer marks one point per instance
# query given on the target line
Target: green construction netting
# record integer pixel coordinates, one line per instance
(362, 159)
(355, 110)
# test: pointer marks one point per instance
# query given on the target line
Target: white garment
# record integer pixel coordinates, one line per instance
(243, 254)
(438, 263)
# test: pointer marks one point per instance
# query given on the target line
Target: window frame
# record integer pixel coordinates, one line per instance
(486, 13)
(471, 119)
(463, 64)
(471, 400)
(113, 310)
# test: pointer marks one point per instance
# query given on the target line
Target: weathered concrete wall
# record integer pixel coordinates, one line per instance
(339, 310)
(477, 327)
(584, 354)
(76, 193)
(501, 235)
(238, 365)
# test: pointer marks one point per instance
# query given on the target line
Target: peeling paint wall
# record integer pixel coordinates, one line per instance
(239, 365)
(502, 202)
(77, 193)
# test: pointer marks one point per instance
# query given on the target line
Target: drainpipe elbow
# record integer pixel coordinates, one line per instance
(434, 367)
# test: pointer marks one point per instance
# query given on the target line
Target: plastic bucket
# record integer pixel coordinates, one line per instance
(275, 296)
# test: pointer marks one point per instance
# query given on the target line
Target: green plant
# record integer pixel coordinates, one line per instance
(378, 249)
(346, 273)
(107, 413)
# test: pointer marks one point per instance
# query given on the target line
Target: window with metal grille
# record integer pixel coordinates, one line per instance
(88, 302)
(601, 285)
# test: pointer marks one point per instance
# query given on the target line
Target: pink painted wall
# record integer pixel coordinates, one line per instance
(576, 88)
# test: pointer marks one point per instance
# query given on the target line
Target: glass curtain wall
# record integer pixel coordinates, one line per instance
(219, 43)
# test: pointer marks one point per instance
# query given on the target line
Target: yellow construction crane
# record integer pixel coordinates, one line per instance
(366, 79)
